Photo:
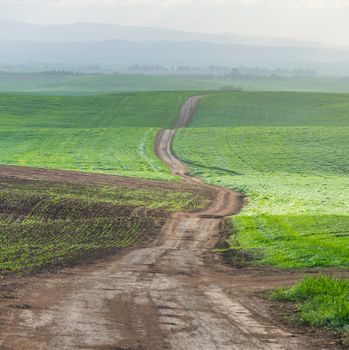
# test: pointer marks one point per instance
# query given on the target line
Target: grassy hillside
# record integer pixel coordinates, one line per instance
(62, 83)
(157, 109)
(108, 133)
(289, 153)
(54, 224)
(86, 84)
(302, 84)
(273, 109)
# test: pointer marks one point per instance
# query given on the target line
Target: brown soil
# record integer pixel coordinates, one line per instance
(172, 294)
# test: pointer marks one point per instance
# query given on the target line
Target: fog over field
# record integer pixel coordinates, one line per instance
(306, 20)
(120, 53)
(116, 35)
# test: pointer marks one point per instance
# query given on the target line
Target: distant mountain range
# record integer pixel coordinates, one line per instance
(78, 32)
(118, 46)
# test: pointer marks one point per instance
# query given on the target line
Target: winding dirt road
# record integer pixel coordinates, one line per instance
(174, 294)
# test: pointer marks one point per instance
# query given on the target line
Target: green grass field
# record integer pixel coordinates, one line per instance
(301, 84)
(43, 225)
(289, 153)
(109, 133)
(88, 84)
(149, 109)
(272, 109)
(53, 224)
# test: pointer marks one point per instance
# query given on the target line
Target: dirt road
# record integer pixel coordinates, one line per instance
(174, 294)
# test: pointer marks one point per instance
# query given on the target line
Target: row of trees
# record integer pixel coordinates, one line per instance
(223, 71)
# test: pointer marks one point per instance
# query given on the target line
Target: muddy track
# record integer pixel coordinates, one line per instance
(174, 294)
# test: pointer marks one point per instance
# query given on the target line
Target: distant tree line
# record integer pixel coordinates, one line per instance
(222, 71)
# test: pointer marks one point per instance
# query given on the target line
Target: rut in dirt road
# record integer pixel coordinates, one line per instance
(174, 294)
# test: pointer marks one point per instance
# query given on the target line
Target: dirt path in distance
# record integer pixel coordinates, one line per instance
(174, 294)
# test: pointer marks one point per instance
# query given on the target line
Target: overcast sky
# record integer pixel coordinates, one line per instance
(317, 20)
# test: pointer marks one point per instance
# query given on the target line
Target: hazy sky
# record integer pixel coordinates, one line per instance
(317, 20)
